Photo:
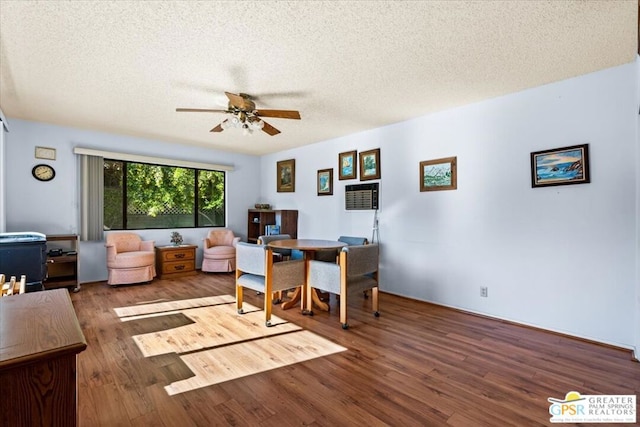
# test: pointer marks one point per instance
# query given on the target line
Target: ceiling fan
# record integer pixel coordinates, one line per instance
(245, 116)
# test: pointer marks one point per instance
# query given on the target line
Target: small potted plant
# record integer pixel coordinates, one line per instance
(176, 238)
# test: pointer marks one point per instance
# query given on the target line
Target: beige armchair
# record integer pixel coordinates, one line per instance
(130, 259)
(219, 253)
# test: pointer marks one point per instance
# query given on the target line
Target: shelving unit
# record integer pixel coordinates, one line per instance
(62, 270)
(258, 219)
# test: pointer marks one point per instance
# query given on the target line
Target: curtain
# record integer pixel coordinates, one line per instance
(92, 201)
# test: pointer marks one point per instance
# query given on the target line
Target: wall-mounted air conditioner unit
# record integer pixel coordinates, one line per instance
(361, 197)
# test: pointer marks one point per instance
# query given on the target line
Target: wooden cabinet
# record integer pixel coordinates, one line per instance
(175, 261)
(41, 338)
(62, 261)
(258, 219)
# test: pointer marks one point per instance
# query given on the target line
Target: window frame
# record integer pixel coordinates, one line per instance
(126, 163)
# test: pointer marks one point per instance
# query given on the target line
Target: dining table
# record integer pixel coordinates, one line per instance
(308, 247)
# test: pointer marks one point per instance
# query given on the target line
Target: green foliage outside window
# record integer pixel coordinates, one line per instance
(140, 196)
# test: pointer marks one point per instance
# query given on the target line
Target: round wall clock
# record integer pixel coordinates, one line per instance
(43, 172)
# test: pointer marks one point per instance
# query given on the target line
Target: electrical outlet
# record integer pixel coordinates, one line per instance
(484, 291)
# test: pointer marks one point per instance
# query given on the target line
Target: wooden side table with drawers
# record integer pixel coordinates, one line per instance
(175, 261)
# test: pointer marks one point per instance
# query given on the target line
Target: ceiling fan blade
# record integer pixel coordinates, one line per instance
(218, 128)
(281, 114)
(291, 94)
(199, 110)
(270, 129)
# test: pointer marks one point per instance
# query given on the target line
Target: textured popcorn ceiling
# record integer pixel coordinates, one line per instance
(124, 66)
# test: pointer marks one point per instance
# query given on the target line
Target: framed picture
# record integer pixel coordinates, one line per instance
(325, 182)
(370, 165)
(45, 153)
(286, 176)
(439, 174)
(347, 167)
(560, 166)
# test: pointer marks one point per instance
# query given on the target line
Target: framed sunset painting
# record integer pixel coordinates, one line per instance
(560, 166)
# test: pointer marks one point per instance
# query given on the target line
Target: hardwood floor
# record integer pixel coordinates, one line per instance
(417, 364)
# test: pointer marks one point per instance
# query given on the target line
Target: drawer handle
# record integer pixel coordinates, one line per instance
(179, 255)
(178, 267)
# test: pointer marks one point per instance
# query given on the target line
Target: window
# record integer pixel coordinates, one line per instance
(142, 196)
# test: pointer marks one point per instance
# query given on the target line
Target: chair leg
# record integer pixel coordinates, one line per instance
(268, 303)
(343, 311)
(239, 299)
(375, 302)
(277, 299)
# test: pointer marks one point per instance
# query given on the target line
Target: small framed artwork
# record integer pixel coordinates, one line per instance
(439, 174)
(45, 153)
(325, 182)
(370, 165)
(347, 167)
(286, 176)
(560, 166)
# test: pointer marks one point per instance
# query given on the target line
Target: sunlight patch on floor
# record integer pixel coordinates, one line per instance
(222, 345)
(160, 307)
(243, 359)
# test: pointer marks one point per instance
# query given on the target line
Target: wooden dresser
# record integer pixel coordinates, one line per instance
(175, 261)
(40, 340)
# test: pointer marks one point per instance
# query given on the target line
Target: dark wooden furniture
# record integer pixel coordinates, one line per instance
(175, 261)
(258, 219)
(41, 338)
(62, 270)
(309, 247)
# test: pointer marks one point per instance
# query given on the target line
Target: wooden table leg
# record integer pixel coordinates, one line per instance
(318, 302)
(297, 296)
(307, 296)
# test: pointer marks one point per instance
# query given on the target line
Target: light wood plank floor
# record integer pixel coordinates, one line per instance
(417, 364)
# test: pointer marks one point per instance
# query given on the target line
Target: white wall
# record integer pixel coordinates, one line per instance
(53, 207)
(3, 174)
(561, 258)
(637, 105)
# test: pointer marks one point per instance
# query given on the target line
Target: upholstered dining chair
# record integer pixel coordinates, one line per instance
(219, 251)
(129, 259)
(279, 255)
(266, 239)
(256, 270)
(357, 271)
(332, 255)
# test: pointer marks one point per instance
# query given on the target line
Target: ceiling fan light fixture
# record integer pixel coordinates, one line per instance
(244, 115)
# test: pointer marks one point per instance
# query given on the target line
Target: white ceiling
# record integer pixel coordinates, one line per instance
(124, 66)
